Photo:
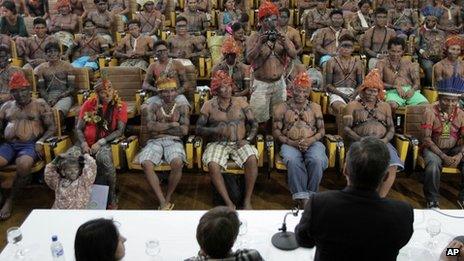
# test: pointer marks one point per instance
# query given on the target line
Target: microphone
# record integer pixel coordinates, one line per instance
(285, 240)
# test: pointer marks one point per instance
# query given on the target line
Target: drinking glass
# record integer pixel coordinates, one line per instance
(152, 249)
(434, 229)
(14, 237)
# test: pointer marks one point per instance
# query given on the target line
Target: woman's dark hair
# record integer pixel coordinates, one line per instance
(217, 231)
(10, 6)
(397, 41)
(96, 240)
(39, 20)
(363, 2)
(52, 46)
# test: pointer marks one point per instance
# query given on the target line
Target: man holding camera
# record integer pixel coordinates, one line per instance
(268, 51)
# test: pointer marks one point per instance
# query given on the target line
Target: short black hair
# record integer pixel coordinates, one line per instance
(181, 18)
(133, 21)
(347, 37)
(10, 6)
(96, 240)
(39, 20)
(52, 45)
(336, 11)
(363, 2)
(381, 10)
(236, 26)
(397, 41)
(98, 1)
(367, 163)
(5, 48)
(244, 18)
(217, 231)
(88, 21)
(284, 10)
(158, 43)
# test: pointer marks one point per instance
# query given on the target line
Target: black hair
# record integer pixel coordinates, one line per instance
(88, 21)
(244, 18)
(133, 21)
(380, 10)
(39, 20)
(367, 163)
(96, 240)
(347, 37)
(397, 41)
(63, 160)
(284, 10)
(10, 6)
(363, 2)
(158, 43)
(336, 11)
(181, 18)
(236, 26)
(5, 48)
(98, 1)
(217, 231)
(52, 45)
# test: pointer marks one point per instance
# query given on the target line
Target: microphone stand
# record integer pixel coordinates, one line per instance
(285, 240)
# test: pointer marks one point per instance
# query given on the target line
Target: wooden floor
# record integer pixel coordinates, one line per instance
(194, 193)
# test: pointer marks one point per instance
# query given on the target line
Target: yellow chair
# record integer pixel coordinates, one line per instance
(82, 83)
(15, 60)
(232, 167)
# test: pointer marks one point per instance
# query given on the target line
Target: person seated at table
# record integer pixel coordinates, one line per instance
(224, 118)
(197, 21)
(443, 129)
(451, 65)
(327, 39)
(55, 80)
(430, 42)
(400, 76)
(363, 19)
(11, 23)
(344, 73)
(103, 19)
(165, 67)
(217, 232)
(239, 71)
(88, 47)
(26, 123)
(32, 49)
(376, 38)
(299, 126)
(134, 49)
(316, 18)
(183, 45)
(356, 223)
(102, 119)
(6, 71)
(229, 16)
(99, 240)
(71, 177)
(370, 116)
(456, 243)
(167, 123)
(151, 20)
(404, 21)
(64, 24)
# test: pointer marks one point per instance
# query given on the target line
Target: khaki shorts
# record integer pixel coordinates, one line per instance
(265, 96)
(162, 150)
(219, 152)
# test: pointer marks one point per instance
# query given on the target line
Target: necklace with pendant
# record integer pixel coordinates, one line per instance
(168, 115)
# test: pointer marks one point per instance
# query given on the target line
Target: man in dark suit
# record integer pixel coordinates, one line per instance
(356, 223)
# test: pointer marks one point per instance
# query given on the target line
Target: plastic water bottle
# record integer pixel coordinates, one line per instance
(57, 249)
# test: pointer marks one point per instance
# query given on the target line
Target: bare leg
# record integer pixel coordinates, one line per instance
(251, 172)
(388, 181)
(154, 182)
(174, 177)
(23, 168)
(218, 182)
(337, 107)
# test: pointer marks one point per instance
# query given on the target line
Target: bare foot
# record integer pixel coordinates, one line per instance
(247, 206)
(5, 212)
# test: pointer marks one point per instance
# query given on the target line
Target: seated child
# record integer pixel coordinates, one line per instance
(71, 177)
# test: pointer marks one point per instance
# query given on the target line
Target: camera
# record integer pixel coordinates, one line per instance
(272, 35)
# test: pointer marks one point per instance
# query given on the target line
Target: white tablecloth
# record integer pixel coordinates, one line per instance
(176, 232)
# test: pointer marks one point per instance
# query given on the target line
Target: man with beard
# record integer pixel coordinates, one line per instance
(269, 51)
(26, 124)
(167, 122)
(6, 71)
(197, 21)
(224, 119)
(370, 116)
(451, 65)
(55, 80)
(299, 126)
(236, 70)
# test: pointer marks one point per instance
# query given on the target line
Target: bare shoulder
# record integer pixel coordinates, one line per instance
(384, 106)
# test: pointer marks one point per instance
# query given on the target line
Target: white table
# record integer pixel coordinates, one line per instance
(176, 232)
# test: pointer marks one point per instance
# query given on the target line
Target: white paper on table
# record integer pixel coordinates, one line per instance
(98, 197)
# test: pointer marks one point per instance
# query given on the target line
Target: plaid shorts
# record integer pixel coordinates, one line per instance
(162, 150)
(219, 152)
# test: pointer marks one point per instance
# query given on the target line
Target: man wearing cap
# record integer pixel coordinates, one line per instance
(6, 71)
(430, 42)
(299, 126)
(102, 119)
(151, 20)
(26, 123)
(370, 116)
(451, 65)
(224, 121)
(442, 128)
(56, 81)
(167, 123)
(197, 21)
(237, 70)
(269, 51)
(64, 24)
(103, 19)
